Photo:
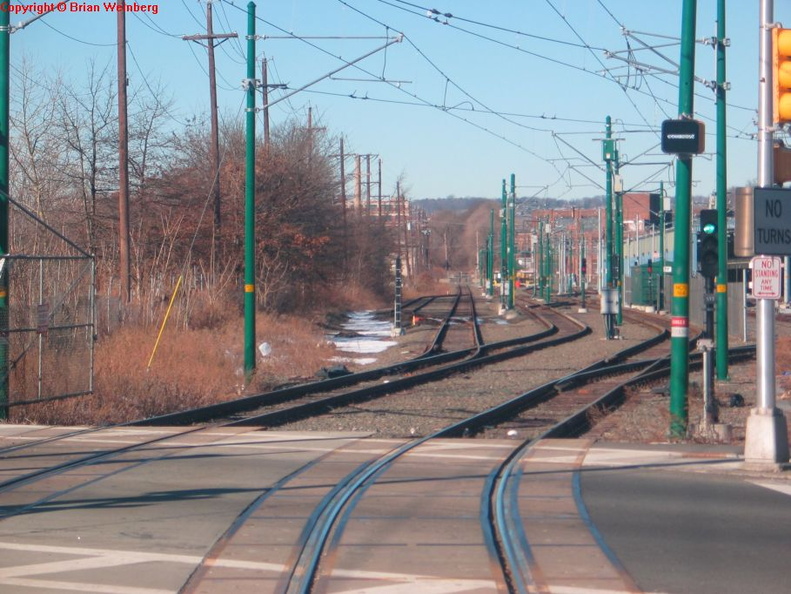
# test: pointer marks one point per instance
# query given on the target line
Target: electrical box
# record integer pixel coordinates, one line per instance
(609, 301)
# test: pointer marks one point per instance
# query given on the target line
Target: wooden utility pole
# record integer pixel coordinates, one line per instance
(368, 185)
(311, 131)
(265, 86)
(123, 163)
(209, 38)
(343, 184)
(398, 218)
(380, 190)
(358, 180)
(406, 223)
(265, 92)
(358, 185)
(343, 205)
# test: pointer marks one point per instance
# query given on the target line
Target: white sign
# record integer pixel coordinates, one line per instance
(766, 277)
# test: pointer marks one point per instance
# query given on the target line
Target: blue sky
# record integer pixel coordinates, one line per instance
(499, 87)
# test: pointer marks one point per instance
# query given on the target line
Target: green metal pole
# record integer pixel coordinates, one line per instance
(504, 250)
(679, 341)
(538, 260)
(490, 288)
(584, 273)
(570, 269)
(608, 154)
(5, 60)
(548, 265)
(249, 203)
(661, 301)
(544, 266)
(512, 243)
(619, 257)
(721, 352)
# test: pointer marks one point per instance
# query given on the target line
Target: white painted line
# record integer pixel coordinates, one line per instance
(557, 459)
(119, 557)
(428, 586)
(81, 587)
(603, 457)
(561, 447)
(21, 576)
(785, 489)
(449, 445)
(589, 590)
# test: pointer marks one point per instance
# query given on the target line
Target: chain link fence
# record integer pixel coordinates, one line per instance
(51, 327)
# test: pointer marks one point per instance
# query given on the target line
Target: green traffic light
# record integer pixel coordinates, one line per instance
(709, 228)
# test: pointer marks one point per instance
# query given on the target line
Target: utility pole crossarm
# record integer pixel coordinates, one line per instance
(222, 36)
(210, 36)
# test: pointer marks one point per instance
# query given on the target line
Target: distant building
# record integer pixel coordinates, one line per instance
(643, 210)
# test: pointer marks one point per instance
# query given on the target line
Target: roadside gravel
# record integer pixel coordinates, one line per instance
(644, 418)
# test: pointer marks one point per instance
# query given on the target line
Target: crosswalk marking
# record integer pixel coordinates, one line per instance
(784, 488)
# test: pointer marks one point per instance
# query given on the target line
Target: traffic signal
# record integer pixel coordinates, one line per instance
(650, 267)
(584, 266)
(782, 162)
(708, 244)
(781, 58)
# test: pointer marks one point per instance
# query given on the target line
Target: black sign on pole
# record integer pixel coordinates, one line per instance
(772, 221)
(683, 137)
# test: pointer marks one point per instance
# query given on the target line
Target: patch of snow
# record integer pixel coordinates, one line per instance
(358, 360)
(362, 345)
(369, 333)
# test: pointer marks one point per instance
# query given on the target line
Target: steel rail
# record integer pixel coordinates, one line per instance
(504, 521)
(304, 573)
(442, 363)
(325, 405)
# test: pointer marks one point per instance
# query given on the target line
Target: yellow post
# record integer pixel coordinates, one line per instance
(162, 328)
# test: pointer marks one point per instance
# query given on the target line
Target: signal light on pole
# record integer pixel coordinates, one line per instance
(584, 266)
(781, 54)
(781, 157)
(708, 244)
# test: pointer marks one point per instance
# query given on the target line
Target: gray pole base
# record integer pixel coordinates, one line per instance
(766, 439)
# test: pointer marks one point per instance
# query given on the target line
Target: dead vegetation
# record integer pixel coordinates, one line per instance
(190, 368)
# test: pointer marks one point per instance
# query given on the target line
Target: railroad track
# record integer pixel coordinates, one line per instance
(358, 471)
(318, 557)
(311, 406)
(26, 444)
(444, 307)
(459, 328)
(89, 453)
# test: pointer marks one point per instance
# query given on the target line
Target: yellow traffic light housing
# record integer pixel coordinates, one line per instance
(782, 163)
(781, 52)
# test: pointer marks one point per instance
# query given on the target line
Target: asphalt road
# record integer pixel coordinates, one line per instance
(684, 532)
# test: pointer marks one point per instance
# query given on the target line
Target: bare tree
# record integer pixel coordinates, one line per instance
(87, 126)
(36, 178)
